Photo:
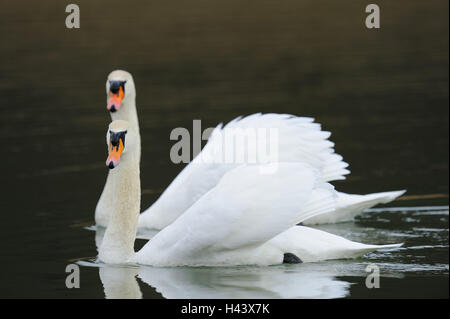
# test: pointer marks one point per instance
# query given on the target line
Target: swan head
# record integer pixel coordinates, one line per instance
(121, 140)
(119, 89)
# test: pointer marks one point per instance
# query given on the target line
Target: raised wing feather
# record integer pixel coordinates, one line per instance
(299, 139)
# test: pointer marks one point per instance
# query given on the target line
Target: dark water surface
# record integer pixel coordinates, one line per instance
(382, 93)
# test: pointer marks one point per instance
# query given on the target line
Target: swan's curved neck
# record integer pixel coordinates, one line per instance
(128, 113)
(118, 243)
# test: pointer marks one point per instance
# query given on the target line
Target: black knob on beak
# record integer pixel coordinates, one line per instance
(114, 87)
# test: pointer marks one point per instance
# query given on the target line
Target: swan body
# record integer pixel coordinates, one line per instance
(232, 223)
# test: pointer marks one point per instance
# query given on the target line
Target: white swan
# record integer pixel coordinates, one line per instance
(248, 218)
(301, 140)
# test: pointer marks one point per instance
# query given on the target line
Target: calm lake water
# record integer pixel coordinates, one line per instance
(382, 93)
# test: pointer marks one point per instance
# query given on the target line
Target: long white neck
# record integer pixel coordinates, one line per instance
(127, 112)
(125, 199)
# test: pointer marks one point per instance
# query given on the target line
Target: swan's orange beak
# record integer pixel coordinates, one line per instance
(115, 151)
(115, 98)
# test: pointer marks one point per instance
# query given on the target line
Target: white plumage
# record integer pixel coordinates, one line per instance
(348, 206)
(299, 140)
(250, 218)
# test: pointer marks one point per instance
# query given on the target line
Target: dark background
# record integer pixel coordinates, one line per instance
(382, 93)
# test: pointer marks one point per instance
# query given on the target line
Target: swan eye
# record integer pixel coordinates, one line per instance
(116, 137)
(114, 86)
(116, 147)
(115, 95)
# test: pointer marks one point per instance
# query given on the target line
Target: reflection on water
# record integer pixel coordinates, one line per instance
(246, 282)
(120, 282)
(306, 281)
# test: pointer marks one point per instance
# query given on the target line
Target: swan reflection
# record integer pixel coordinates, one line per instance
(286, 281)
(120, 282)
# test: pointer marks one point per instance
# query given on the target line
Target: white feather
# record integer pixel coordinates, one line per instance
(299, 140)
(348, 206)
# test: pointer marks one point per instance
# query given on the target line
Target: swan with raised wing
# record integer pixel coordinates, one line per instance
(247, 218)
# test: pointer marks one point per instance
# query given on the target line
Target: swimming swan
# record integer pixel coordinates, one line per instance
(248, 218)
(300, 140)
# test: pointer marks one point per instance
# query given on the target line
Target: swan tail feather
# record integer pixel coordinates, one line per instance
(348, 206)
(312, 245)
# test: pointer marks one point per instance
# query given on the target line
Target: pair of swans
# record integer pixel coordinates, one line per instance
(228, 214)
